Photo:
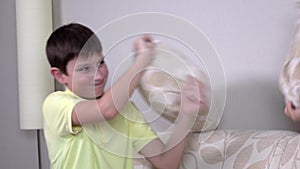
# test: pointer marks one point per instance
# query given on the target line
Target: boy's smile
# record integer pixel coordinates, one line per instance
(87, 76)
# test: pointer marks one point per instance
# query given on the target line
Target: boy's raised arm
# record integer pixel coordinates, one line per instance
(118, 94)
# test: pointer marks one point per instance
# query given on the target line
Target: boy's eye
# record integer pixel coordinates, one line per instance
(84, 69)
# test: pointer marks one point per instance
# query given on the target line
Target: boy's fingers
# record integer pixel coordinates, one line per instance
(147, 38)
(143, 42)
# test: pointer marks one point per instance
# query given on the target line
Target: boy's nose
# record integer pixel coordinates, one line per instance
(98, 75)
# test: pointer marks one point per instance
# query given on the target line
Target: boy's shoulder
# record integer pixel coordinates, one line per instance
(56, 95)
(59, 101)
(66, 93)
(61, 97)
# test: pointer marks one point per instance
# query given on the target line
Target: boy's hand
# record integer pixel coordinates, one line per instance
(193, 99)
(143, 46)
(292, 112)
(143, 42)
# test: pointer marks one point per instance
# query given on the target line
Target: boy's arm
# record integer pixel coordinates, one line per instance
(169, 155)
(118, 94)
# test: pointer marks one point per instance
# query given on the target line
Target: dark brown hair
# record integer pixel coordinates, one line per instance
(70, 41)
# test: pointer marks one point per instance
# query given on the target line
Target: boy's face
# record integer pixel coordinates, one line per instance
(87, 76)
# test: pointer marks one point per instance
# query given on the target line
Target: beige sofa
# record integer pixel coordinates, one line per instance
(219, 148)
(239, 149)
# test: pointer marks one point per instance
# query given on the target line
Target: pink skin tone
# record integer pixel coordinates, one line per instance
(86, 77)
(292, 112)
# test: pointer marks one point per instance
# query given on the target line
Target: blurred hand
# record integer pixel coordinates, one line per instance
(143, 46)
(143, 42)
(292, 112)
(193, 98)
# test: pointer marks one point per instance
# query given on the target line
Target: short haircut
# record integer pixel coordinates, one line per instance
(70, 41)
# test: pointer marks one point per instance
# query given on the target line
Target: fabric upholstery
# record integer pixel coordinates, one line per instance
(240, 149)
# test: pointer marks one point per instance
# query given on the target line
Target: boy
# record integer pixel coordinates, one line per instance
(78, 120)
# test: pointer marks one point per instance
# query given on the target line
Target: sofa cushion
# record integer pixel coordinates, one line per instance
(238, 149)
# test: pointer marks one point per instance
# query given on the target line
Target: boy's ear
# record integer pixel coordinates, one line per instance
(58, 75)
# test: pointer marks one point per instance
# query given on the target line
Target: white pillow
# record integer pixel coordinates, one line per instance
(162, 81)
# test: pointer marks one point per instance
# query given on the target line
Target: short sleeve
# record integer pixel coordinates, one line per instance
(141, 132)
(57, 111)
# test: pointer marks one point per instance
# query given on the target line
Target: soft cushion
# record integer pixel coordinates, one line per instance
(162, 83)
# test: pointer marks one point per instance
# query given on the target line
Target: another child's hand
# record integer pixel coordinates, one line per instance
(193, 99)
(292, 112)
(143, 46)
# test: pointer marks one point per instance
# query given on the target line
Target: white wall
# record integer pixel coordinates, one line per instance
(252, 39)
(18, 148)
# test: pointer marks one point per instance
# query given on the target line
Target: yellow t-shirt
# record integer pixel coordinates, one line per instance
(104, 145)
